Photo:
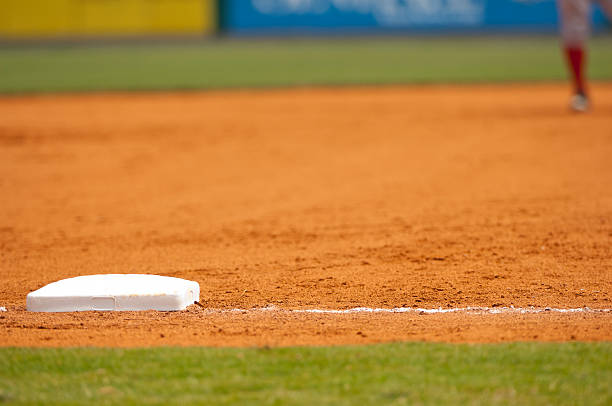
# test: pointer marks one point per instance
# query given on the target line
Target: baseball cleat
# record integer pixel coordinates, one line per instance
(579, 103)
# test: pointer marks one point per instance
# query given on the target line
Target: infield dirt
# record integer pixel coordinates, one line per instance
(432, 196)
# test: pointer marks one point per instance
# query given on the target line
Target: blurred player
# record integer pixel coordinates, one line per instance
(575, 28)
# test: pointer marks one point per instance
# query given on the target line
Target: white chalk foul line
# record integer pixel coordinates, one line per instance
(489, 310)
(418, 310)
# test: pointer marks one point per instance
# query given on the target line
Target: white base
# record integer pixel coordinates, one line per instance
(129, 292)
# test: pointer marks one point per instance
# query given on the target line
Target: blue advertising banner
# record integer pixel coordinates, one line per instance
(362, 16)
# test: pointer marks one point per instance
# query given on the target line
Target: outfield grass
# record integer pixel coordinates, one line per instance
(397, 374)
(265, 63)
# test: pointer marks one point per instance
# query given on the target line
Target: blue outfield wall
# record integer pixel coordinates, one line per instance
(269, 17)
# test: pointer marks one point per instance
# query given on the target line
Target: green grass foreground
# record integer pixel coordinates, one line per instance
(394, 374)
(272, 63)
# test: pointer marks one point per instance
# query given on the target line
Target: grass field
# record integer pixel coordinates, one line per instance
(258, 63)
(396, 374)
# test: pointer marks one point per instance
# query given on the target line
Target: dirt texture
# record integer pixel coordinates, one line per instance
(432, 196)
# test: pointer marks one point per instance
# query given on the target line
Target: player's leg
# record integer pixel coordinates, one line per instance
(575, 28)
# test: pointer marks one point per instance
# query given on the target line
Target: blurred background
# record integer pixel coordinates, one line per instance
(20, 19)
(56, 45)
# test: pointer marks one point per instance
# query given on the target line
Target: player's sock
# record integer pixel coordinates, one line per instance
(576, 60)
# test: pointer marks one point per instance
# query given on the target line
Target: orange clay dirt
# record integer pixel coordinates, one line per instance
(432, 196)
